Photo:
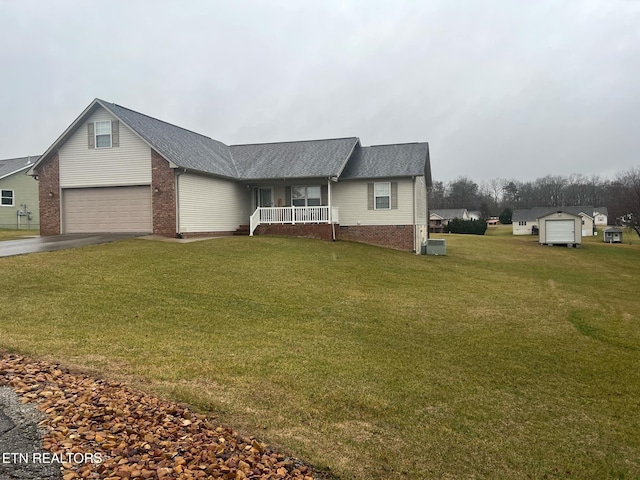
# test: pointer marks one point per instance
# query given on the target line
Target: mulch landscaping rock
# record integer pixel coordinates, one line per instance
(101, 429)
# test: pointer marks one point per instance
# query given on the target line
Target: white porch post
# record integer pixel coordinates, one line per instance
(329, 200)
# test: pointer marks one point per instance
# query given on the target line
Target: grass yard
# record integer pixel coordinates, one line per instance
(502, 360)
(12, 234)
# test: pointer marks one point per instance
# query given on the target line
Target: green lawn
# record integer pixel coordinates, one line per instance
(504, 359)
(12, 234)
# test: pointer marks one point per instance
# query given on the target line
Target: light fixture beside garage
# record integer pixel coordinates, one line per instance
(155, 190)
(50, 194)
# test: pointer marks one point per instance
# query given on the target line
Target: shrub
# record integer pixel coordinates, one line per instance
(474, 227)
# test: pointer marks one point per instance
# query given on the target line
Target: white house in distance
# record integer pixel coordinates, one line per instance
(117, 170)
(439, 218)
(600, 216)
(526, 222)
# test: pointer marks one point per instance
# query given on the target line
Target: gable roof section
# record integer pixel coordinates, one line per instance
(600, 211)
(535, 213)
(14, 165)
(449, 213)
(311, 158)
(181, 147)
(340, 157)
(400, 160)
(559, 210)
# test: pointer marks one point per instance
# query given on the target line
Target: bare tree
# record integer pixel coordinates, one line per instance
(625, 192)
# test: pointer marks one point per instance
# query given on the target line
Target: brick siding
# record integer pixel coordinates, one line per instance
(49, 182)
(164, 200)
(399, 237)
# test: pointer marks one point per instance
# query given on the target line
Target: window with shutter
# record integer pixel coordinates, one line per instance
(103, 134)
(382, 195)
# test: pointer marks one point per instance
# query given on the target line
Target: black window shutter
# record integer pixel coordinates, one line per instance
(370, 196)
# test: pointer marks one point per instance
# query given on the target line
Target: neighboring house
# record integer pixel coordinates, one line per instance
(439, 218)
(600, 216)
(560, 228)
(18, 194)
(526, 222)
(475, 215)
(114, 169)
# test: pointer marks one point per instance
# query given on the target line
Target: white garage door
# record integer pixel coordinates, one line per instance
(560, 231)
(107, 210)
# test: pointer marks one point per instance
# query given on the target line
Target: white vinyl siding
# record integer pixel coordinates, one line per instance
(351, 198)
(81, 166)
(421, 201)
(208, 204)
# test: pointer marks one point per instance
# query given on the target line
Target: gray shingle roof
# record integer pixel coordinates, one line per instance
(13, 165)
(182, 147)
(311, 158)
(601, 210)
(343, 157)
(537, 212)
(401, 160)
(448, 213)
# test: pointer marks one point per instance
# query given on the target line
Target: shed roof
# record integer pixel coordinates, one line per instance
(14, 165)
(535, 213)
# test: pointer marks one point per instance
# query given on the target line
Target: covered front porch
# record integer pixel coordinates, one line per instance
(303, 202)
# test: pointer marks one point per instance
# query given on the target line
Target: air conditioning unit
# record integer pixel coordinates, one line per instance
(435, 246)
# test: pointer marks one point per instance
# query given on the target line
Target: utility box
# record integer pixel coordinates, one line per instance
(435, 246)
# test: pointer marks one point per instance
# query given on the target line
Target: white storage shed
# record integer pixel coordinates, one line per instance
(560, 228)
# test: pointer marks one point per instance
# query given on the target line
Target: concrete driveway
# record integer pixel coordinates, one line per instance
(59, 242)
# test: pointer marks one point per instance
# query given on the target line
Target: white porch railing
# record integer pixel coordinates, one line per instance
(291, 215)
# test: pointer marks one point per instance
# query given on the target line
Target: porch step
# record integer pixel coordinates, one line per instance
(242, 230)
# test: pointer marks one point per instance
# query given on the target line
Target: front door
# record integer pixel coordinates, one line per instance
(263, 197)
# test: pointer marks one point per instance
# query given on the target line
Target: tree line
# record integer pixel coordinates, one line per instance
(621, 196)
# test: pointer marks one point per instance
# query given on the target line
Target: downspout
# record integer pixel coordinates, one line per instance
(426, 187)
(415, 240)
(178, 173)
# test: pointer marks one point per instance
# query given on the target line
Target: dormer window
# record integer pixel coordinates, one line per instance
(103, 134)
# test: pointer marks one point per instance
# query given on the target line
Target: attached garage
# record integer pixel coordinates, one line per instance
(107, 210)
(560, 228)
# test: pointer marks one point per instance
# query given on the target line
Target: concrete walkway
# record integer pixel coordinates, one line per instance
(59, 242)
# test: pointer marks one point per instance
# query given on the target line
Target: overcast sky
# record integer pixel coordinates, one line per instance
(499, 88)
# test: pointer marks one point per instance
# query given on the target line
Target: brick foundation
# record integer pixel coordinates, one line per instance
(399, 237)
(320, 231)
(49, 182)
(164, 200)
(205, 234)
